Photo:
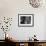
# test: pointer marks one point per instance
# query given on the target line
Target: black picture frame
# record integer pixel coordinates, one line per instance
(25, 20)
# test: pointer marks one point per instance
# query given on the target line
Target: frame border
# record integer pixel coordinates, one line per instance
(26, 26)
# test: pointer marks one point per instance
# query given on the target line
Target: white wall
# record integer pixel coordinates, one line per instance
(11, 8)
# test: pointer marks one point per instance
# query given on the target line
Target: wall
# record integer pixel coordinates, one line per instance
(11, 8)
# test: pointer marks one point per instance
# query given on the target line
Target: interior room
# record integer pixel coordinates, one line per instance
(23, 22)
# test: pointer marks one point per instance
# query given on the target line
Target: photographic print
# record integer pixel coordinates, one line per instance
(25, 20)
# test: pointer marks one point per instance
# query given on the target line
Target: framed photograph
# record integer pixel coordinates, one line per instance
(25, 20)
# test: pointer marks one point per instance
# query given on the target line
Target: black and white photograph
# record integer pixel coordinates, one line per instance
(25, 20)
